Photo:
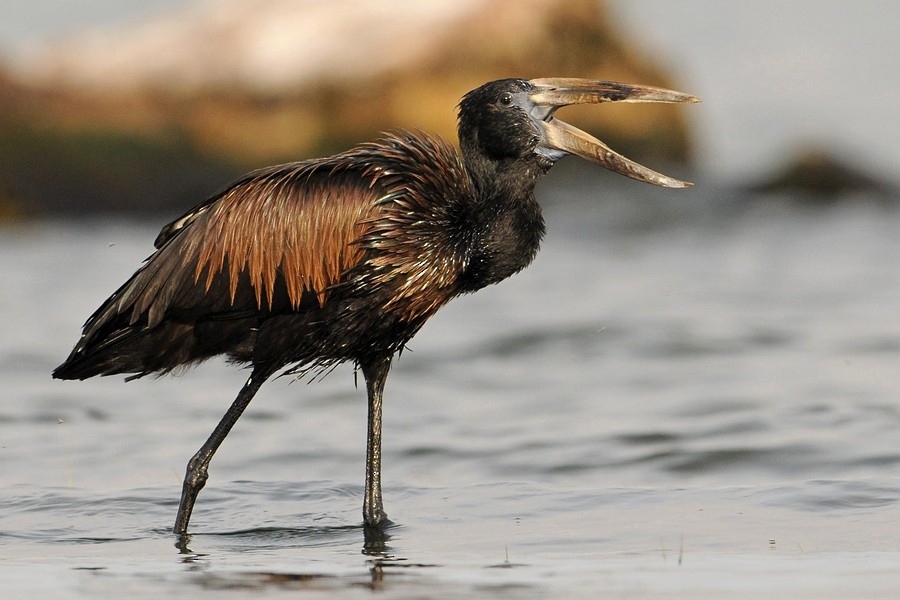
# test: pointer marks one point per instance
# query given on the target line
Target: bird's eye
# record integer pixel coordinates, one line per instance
(506, 99)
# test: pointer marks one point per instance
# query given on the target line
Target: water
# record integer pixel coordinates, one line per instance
(687, 395)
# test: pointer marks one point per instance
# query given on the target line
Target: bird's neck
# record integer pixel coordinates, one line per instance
(510, 179)
(507, 222)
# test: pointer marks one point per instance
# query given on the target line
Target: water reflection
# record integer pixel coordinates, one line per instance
(375, 544)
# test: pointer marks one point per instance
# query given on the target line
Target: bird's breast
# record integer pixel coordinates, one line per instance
(506, 242)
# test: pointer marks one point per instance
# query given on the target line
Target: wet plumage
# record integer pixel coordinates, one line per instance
(303, 266)
(313, 247)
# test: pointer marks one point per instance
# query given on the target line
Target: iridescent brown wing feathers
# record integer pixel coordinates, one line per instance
(425, 207)
(297, 222)
(296, 225)
(292, 233)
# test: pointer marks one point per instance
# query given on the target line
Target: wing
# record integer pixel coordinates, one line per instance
(280, 238)
(293, 225)
(294, 221)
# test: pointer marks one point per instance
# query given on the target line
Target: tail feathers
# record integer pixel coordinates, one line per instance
(140, 350)
(133, 350)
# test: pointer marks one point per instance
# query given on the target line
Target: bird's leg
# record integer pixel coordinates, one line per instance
(196, 475)
(375, 373)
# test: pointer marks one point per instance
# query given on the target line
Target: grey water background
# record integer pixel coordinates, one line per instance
(689, 394)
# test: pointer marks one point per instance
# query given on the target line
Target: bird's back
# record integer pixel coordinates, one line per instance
(266, 269)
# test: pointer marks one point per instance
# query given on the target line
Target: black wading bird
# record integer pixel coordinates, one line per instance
(310, 264)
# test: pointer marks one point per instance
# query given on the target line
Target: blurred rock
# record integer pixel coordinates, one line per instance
(228, 85)
(814, 175)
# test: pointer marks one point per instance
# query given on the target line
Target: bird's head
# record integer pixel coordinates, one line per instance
(512, 120)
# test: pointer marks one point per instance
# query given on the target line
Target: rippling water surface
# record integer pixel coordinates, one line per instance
(686, 395)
